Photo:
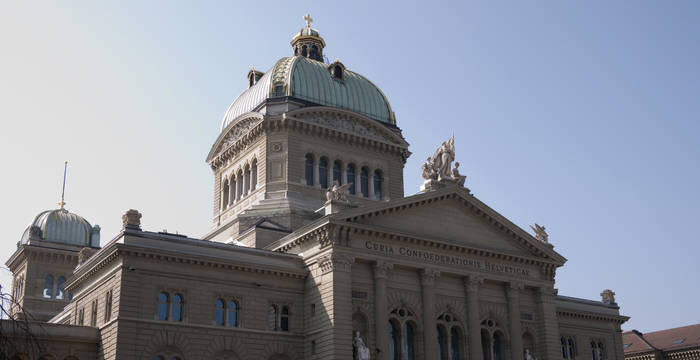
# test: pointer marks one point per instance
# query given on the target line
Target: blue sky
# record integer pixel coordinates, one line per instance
(582, 116)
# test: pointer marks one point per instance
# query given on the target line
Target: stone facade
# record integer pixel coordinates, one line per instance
(284, 274)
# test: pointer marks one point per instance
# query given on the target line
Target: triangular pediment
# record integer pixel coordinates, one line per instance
(451, 216)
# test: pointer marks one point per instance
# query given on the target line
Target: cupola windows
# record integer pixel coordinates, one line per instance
(337, 70)
(239, 184)
(322, 173)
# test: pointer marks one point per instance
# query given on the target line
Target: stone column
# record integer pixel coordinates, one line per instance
(547, 325)
(429, 332)
(232, 190)
(516, 334)
(317, 182)
(343, 173)
(471, 285)
(381, 316)
(370, 185)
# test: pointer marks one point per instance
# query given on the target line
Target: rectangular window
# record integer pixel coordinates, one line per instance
(81, 316)
(313, 309)
(93, 318)
(108, 305)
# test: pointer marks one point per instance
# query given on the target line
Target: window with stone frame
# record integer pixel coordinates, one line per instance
(48, 287)
(597, 350)
(60, 292)
(81, 316)
(402, 331)
(108, 305)
(492, 340)
(450, 337)
(568, 347)
(93, 313)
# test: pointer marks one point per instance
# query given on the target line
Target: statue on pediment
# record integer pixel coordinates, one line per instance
(608, 296)
(429, 172)
(338, 192)
(443, 158)
(540, 233)
(361, 350)
(457, 176)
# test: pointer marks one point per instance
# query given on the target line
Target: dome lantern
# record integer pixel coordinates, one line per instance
(308, 42)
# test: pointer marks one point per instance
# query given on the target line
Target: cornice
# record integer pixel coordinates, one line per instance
(586, 315)
(272, 123)
(48, 253)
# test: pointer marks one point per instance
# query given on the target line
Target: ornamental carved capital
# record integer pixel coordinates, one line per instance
(428, 276)
(381, 268)
(335, 262)
(513, 288)
(472, 282)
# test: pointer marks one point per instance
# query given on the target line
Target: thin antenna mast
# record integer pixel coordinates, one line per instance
(63, 192)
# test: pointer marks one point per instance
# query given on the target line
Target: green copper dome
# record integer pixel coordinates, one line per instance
(63, 227)
(315, 82)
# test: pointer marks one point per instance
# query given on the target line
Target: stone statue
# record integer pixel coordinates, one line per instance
(528, 355)
(132, 220)
(443, 158)
(34, 233)
(429, 172)
(457, 176)
(540, 234)
(361, 350)
(608, 296)
(337, 192)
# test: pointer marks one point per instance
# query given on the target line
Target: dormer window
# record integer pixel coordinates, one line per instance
(337, 70)
(253, 77)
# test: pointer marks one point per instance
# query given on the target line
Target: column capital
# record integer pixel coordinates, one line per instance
(472, 282)
(513, 288)
(335, 262)
(428, 275)
(380, 269)
(546, 291)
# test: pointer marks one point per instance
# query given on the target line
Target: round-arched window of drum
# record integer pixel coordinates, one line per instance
(351, 178)
(60, 292)
(336, 172)
(177, 307)
(162, 308)
(309, 169)
(323, 172)
(219, 313)
(48, 287)
(378, 181)
(364, 182)
(232, 314)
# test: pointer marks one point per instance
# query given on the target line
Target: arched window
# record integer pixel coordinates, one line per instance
(232, 191)
(351, 178)
(596, 350)
(246, 180)
(314, 52)
(272, 316)
(491, 340)
(455, 346)
(225, 194)
(108, 305)
(393, 341)
(338, 72)
(336, 172)
(303, 51)
(232, 313)
(93, 313)
(48, 286)
(219, 313)
(498, 346)
(163, 302)
(239, 185)
(323, 172)
(378, 180)
(284, 319)
(177, 307)
(60, 292)
(442, 343)
(309, 169)
(364, 182)
(402, 333)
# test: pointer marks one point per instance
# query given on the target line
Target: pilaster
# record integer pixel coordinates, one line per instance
(339, 266)
(381, 317)
(429, 331)
(513, 295)
(471, 286)
(547, 325)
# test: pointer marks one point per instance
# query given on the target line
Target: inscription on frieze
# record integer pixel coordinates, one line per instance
(442, 259)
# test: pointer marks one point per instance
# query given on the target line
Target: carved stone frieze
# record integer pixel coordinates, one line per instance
(452, 305)
(498, 312)
(406, 299)
(238, 130)
(345, 125)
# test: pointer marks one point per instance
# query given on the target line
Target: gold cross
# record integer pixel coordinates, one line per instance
(308, 19)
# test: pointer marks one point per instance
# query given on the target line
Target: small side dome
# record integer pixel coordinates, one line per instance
(62, 227)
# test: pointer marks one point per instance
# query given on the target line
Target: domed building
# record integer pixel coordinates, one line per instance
(314, 251)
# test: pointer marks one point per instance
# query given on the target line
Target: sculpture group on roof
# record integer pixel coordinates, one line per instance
(439, 166)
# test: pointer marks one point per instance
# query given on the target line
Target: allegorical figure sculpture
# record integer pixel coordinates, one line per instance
(608, 296)
(457, 176)
(443, 158)
(429, 172)
(540, 234)
(337, 192)
(361, 350)
(528, 355)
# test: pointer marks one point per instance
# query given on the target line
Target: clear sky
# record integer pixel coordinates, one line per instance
(579, 115)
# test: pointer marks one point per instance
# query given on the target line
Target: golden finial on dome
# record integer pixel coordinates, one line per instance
(63, 192)
(308, 20)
